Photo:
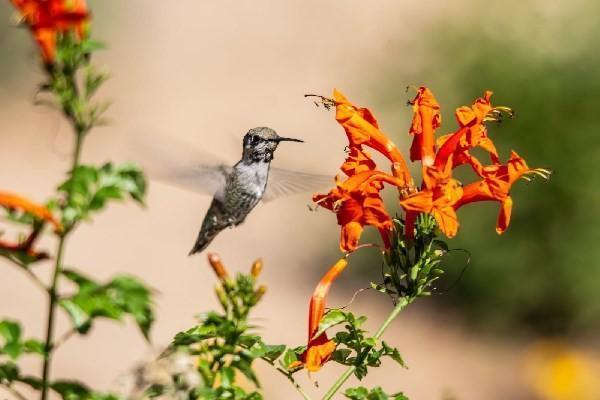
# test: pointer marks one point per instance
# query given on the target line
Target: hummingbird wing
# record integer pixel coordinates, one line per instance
(184, 166)
(283, 182)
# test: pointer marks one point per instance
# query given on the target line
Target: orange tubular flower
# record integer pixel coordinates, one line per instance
(46, 18)
(357, 203)
(362, 129)
(426, 119)
(439, 195)
(473, 132)
(13, 201)
(495, 186)
(320, 348)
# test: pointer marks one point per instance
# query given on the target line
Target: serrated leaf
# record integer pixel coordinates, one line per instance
(330, 319)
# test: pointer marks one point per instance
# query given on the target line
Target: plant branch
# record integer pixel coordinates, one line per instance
(36, 279)
(401, 305)
(63, 338)
(288, 375)
(15, 392)
(53, 290)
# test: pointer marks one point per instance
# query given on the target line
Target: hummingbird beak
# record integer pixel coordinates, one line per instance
(285, 139)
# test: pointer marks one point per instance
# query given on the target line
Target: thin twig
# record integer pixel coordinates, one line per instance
(32, 276)
(15, 392)
(63, 338)
(288, 375)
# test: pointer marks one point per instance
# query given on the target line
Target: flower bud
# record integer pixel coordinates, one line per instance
(260, 292)
(256, 269)
(218, 267)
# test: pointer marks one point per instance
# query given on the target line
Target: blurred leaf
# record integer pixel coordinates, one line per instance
(123, 295)
(9, 372)
(362, 393)
(11, 343)
(91, 188)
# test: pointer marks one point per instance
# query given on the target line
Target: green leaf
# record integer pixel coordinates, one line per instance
(289, 357)
(123, 295)
(227, 376)
(330, 319)
(9, 372)
(70, 390)
(393, 353)
(91, 188)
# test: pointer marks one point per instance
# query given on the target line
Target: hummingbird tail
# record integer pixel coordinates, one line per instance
(205, 237)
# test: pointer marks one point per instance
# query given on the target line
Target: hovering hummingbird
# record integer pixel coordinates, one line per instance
(236, 190)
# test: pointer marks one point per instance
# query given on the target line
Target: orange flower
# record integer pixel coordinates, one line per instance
(439, 194)
(426, 119)
(495, 186)
(362, 129)
(320, 348)
(13, 201)
(46, 18)
(473, 132)
(357, 203)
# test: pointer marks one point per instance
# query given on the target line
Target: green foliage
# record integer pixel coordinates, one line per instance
(362, 393)
(225, 347)
(13, 345)
(73, 390)
(354, 346)
(121, 296)
(89, 188)
(71, 82)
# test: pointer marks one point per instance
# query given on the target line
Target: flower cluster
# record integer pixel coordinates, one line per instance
(47, 19)
(356, 199)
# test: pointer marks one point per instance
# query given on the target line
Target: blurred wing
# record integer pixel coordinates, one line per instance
(184, 166)
(283, 182)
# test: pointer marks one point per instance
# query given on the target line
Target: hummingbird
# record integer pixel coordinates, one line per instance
(236, 190)
(244, 186)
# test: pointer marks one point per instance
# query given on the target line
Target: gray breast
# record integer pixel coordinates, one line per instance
(246, 187)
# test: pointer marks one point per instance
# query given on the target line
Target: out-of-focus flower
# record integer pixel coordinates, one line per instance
(47, 18)
(174, 372)
(557, 371)
(496, 184)
(426, 119)
(26, 247)
(320, 348)
(16, 202)
(257, 267)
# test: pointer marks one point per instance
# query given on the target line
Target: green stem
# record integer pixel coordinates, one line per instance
(53, 290)
(404, 301)
(288, 375)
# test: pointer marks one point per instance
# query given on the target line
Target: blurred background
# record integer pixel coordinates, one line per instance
(522, 321)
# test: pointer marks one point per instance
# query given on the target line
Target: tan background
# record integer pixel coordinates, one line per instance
(205, 72)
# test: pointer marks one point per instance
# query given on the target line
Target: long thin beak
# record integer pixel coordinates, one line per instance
(285, 139)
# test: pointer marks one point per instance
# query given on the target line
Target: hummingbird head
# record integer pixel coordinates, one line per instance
(260, 144)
